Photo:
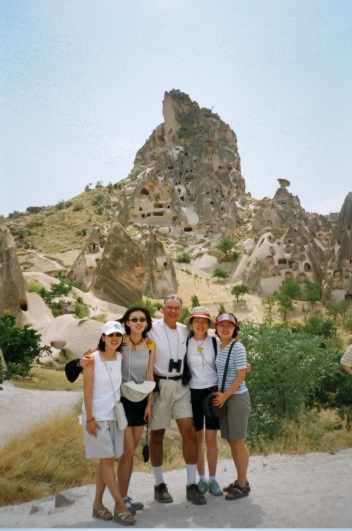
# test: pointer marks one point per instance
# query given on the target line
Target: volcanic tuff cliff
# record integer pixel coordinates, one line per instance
(185, 192)
(187, 176)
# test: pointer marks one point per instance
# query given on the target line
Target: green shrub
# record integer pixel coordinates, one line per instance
(68, 204)
(99, 184)
(81, 311)
(147, 303)
(195, 301)
(34, 286)
(20, 346)
(60, 205)
(184, 257)
(82, 231)
(239, 289)
(78, 206)
(219, 273)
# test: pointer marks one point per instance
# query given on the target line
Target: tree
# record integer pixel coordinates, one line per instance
(227, 246)
(195, 301)
(288, 368)
(269, 302)
(285, 304)
(312, 293)
(185, 313)
(290, 288)
(21, 347)
(221, 308)
(219, 273)
(239, 289)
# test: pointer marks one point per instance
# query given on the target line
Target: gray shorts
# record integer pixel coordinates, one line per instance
(107, 443)
(173, 402)
(234, 417)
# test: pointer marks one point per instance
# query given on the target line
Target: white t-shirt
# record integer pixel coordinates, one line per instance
(202, 364)
(104, 397)
(169, 344)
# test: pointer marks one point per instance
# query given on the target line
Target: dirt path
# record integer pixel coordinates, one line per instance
(307, 491)
(21, 407)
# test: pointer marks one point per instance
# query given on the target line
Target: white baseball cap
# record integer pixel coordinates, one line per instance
(112, 326)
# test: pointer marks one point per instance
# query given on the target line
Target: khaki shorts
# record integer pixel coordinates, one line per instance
(234, 417)
(173, 402)
(107, 443)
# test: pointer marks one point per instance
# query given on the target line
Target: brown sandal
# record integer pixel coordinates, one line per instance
(102, 514)
(235, 484)
(236, 493)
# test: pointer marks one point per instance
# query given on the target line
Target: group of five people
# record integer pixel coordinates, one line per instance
(135, 348)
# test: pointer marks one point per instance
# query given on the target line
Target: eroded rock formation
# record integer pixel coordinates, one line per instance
(187, 176)
(85, 266)
(120, 272)
(337, 283)
(160, 278)
(13, 286)
(287, 243)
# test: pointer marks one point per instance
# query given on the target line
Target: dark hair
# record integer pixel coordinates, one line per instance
(234, 333)
(101, 344)
(126, 317)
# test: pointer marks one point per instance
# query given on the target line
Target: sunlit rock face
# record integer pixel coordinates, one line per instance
(286, 243)
(85, 266)
(187, 176)
(120, 272)
(13, 286)
(337, 283)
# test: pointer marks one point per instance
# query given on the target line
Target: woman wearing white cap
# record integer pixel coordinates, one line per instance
(201, 354)
(137, 368)
(102, 437)
(234, 400)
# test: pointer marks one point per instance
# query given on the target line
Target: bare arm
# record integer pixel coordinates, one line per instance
(150, 378)
(347, 368)
(92, 425)
(222, 397)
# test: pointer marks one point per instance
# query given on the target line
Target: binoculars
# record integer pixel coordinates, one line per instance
(175, 365)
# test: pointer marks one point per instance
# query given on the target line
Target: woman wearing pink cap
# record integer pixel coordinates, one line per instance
(234, 400)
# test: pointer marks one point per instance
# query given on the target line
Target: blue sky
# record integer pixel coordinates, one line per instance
(82, 85)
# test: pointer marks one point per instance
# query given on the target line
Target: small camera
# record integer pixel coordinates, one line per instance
(175, 365)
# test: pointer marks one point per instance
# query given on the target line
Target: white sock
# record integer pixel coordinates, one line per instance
(191, 474)
(203, 477)
(158, 475)
(212, 477)
(127, 501)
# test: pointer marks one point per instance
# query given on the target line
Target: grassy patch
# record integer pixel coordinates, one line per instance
(48, 380)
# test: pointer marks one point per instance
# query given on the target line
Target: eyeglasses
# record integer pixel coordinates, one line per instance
(136, 319)
(175, 308)
(114, 334)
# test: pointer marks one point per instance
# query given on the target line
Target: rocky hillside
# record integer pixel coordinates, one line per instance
(184, 193)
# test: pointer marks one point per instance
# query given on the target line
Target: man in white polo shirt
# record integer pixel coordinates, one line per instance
(346, 360)
(172, 400)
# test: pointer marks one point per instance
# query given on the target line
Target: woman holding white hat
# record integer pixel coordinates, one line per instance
(137, 391)
(102, 437)
(233, 400)
(201, 354)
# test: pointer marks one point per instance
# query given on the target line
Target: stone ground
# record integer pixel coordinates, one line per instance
(308, 491)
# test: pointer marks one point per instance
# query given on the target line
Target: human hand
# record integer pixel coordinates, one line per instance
(148, 412)
(88, 359)
(219, 399)
(92, 427)
(248, 368)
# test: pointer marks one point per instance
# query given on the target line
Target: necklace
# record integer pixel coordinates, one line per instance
(135, 344)
(199, 346)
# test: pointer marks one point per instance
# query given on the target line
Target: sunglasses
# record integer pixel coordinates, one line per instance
(115, 334)
(136, 319)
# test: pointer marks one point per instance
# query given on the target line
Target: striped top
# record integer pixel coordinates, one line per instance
(347, 357)
(238, 360)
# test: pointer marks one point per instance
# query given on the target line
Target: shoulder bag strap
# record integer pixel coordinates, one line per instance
(112, 385)
(227, 366)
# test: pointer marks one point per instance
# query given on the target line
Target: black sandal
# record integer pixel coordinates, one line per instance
(236, 493)
(234, 485)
